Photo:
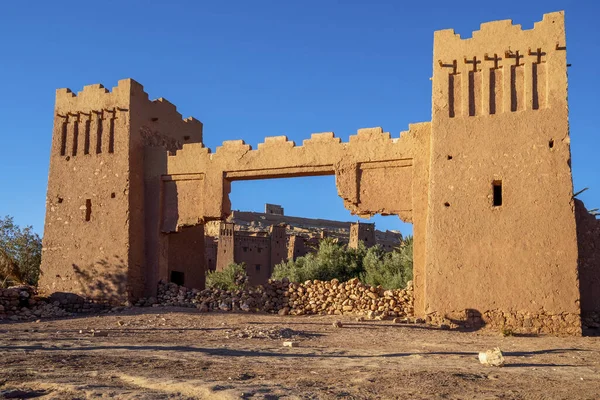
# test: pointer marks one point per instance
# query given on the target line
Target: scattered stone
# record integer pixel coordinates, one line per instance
(282, 297)
(290, 344)
(99, 333)
(493, 357)
(120, 323)
(360, 319)
(337, 324)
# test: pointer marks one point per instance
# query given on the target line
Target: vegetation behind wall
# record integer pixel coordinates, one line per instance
(332, 260)
(20, 254)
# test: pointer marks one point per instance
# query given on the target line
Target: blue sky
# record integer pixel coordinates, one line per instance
(251, 69)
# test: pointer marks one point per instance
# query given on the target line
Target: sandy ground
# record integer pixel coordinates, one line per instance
(161, 353)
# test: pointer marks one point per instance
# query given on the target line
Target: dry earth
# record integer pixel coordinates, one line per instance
(161, 353)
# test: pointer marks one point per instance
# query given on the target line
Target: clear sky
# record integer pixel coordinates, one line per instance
(251, 69)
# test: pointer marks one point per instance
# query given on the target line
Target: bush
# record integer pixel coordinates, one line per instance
(20, 254)
(335, 261)
(332, 260)
(391, 270)
(233, 277)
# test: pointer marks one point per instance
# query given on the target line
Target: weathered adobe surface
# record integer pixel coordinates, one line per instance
(588, 241)
(499, 121)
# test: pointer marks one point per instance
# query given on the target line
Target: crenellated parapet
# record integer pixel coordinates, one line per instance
(370, 169)
(500, 69)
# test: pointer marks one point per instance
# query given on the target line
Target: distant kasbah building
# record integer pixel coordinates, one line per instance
(263, 240)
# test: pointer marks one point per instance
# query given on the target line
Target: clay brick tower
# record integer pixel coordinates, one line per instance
(278, 246)
(226, 246)
(501, 166)
(102, 227)
(361, 232)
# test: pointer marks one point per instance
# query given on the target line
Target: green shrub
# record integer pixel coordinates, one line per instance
(390, 270)
(20, 254)
(233, 277)
(332, 260)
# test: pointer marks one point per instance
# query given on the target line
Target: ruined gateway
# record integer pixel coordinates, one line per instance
(487, 184)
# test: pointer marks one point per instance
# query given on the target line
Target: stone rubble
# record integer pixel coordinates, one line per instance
(289, 298)
(286, 298)
(20, 303)
(252, 332)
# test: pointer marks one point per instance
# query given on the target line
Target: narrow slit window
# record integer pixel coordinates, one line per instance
(88, 209)
(111, 136)
(99, 128)
(63, 139)
(497, 187)
(86, 144)
(75, 137)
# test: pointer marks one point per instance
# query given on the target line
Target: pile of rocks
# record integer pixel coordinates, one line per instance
(284, 297)
(20, 303)
(73, 303)
(268, 298)
(352, 297)
(254, 332)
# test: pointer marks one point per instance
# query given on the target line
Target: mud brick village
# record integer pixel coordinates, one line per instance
(150, 285)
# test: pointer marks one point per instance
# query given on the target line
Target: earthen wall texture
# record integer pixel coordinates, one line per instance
(255, 253)
(186, 256)
(86, 243)
(226, 246)
(109, 152)
(500, 118)
(588, 240)
(487, 184)
(360, 232)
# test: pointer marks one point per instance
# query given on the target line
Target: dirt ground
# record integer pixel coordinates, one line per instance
(162, 353)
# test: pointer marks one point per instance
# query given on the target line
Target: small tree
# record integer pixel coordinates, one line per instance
(20, 254)
(233, 277)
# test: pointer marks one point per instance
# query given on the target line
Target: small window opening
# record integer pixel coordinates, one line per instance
(497, 186)
(449, 157)
(75, 137)
(177, 278)
(257, 267)
(88, 209)
(186, 138)
(245, 249)
(60, 200)
(99, 129)
(154, 119)
(63, 139)
(111, 136)
(86, 143)
(113, 195)
(447, 204)
(551, 143)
